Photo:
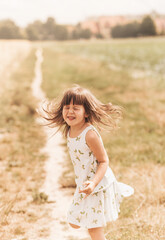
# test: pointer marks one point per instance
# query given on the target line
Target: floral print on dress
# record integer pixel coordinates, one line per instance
(102, 205)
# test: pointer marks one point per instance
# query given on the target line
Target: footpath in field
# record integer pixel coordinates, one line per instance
(59, 198)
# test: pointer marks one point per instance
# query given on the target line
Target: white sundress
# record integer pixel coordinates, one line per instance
(102, 205)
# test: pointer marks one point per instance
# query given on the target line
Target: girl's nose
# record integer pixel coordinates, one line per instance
(70, 110)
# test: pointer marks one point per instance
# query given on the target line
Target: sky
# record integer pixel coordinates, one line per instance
(24, 12)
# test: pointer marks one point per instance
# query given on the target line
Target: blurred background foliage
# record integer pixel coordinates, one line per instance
(50, 30)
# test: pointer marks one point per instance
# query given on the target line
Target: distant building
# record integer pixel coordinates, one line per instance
(160, 25)
(159, 20)
(103, 24)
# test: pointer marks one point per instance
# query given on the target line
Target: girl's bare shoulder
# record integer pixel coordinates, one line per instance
(92, 137)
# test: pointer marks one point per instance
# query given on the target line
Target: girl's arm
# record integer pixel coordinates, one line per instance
(96, 146)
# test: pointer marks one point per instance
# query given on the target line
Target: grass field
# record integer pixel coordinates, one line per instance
(130, 73)
(21, 162)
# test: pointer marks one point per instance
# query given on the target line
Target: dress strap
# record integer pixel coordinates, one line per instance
(94, 129)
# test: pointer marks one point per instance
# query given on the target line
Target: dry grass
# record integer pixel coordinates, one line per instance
(21, 139)
(116, 71)
(136, 152)
(13, 53)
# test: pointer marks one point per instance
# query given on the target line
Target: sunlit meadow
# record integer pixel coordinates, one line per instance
(129, 73)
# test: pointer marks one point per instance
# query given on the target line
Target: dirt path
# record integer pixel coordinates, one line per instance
(60, 198)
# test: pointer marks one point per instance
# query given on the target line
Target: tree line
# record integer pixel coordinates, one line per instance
(50, 30)
(135, 29)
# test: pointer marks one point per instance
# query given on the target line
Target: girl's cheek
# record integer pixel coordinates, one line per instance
(63, 114)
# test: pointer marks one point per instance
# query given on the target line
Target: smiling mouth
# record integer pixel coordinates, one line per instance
(71, 118)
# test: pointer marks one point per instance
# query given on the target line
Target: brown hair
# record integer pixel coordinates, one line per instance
(98, 112)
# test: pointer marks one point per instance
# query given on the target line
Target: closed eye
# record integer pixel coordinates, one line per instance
(75, 108)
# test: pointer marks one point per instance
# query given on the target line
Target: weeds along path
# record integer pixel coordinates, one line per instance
(59, 198)
(12, 54)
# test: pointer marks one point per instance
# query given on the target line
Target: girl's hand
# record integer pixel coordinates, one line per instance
(89, 187)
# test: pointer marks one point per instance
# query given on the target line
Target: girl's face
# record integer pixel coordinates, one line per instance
(74, 115)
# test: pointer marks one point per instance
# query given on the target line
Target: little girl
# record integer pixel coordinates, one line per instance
(98, 194)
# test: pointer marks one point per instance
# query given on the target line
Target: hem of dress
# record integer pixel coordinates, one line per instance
(83, 226)
(74, 223)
